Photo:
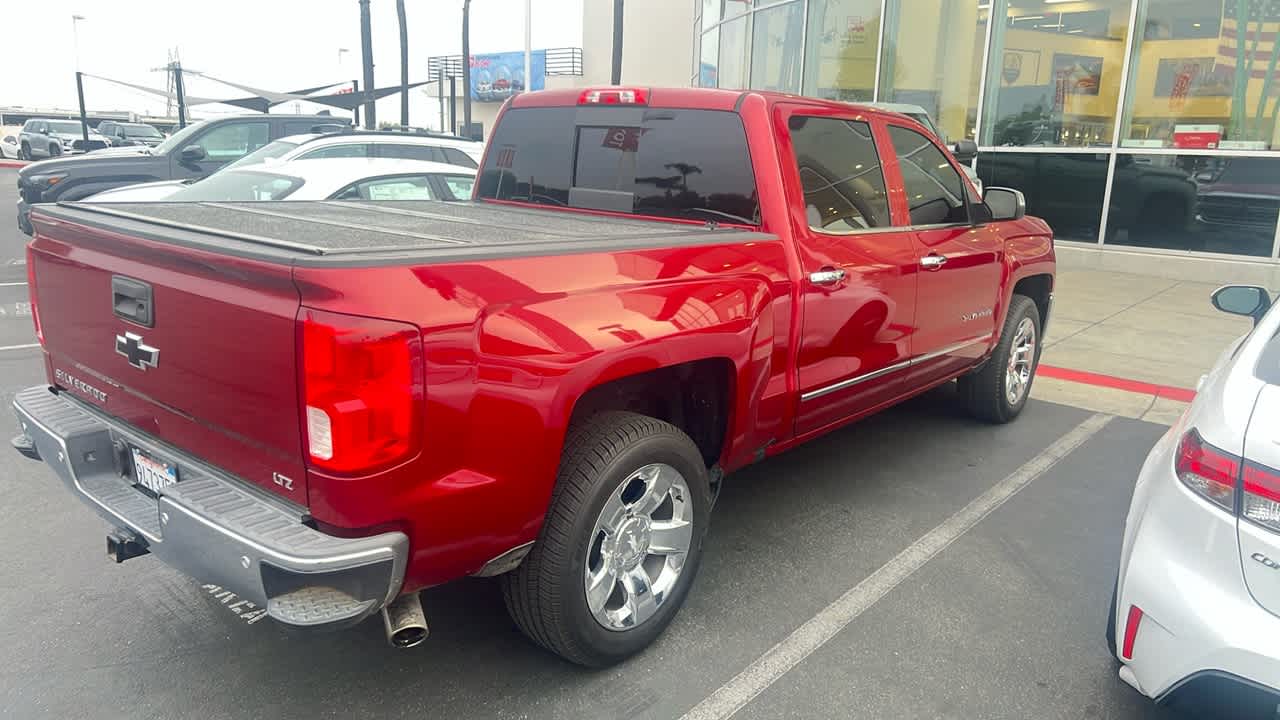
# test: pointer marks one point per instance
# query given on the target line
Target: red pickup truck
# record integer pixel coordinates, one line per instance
(327, 407)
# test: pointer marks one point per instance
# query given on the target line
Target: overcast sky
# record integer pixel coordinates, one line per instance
(273, 44)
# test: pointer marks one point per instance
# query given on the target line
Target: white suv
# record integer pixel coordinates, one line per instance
(431, 147)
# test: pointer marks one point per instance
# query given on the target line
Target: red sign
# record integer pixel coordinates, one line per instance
(624, 139)
(1197, 137)
(1182, 85)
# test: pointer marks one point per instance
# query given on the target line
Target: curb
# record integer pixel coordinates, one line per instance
(13, 163)
(1118, 383)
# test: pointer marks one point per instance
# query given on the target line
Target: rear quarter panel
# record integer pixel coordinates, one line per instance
(511, 344)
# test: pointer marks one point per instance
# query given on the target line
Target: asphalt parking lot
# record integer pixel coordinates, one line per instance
(1004, 620)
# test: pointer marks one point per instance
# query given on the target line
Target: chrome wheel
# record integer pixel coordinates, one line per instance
(638, 547)
(1022, 356)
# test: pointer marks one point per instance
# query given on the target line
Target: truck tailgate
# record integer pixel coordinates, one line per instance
(193, 347)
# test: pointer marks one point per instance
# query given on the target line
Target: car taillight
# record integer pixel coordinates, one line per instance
(614, 96)
(362, 388)
(1261, 496)
(1210, 472)
(31, 292)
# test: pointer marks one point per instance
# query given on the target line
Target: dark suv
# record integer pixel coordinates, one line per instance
(195, 151)
(121, 134)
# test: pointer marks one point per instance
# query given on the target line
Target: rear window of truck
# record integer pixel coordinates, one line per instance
(669, 163)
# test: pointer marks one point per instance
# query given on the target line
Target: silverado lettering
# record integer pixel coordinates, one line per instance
(545, 384)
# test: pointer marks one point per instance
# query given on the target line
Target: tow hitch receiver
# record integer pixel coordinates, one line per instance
(24, 445)
(124, 545)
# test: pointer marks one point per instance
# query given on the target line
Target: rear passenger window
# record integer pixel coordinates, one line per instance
(457, 157)
(840, 173)
(411, 152)
(353, 150)
(935, 192)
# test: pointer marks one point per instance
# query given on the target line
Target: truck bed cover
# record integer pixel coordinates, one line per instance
(374, 233)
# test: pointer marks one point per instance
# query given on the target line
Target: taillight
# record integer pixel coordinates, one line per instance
(1261, 496)
(362, 388)
(614, 96)
(31, 292)
(1210, 472)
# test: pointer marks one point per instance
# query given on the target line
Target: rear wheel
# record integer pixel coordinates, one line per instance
(998, 390)
(620, 544)
(55, 150)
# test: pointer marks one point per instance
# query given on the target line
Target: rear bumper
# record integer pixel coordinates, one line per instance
(1200, 628)
(215, 528)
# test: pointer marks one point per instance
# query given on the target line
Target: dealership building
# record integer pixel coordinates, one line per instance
(1144, 131)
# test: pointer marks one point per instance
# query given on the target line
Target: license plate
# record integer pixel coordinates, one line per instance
(152, 474)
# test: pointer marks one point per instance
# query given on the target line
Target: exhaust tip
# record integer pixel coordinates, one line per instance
(408, 637)
(405, 622)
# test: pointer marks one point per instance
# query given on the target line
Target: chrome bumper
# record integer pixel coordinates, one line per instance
(213, 527)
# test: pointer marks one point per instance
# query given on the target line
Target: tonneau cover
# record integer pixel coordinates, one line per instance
(429, 231)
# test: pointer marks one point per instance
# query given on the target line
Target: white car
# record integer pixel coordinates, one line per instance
(315, 146)
(9, 149)
(335, 179)
(1196, 611)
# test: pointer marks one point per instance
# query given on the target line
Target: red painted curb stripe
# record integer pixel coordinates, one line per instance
(1137, 386)
(12, 163)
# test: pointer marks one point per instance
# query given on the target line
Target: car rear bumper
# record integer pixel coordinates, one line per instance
(1200, 626)
(215, 528)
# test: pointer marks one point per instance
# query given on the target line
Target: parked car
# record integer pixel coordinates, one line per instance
(374, 144)
(195, 151)
(42, 138)
(9, 148)
(124, 134)
(334, 179)
(1194, 614)
(653, 289)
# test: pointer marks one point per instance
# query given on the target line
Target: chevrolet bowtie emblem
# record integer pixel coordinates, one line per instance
(138, 353)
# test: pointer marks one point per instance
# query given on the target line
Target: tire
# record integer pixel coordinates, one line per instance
(24, 152)
(1111, 620)
(987, 392)
(609, 464)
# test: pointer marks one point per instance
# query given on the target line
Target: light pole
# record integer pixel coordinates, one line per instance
(84, 119)
(528, 45)
(466, 68)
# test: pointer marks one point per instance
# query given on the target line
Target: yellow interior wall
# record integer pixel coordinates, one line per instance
(1050, 44)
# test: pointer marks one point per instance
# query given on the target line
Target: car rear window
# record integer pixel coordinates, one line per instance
(648, 161)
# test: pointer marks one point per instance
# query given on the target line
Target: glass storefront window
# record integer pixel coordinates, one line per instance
(1054, 73)
(1195, 202)
(709, 62)
(775, 48)
(732, 72)
(840, 49)
(710, 13)
(1065, 189)
(1205, 74)
(933, 58)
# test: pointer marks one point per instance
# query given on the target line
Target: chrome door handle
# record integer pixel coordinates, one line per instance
(933, 262)
(826, 276)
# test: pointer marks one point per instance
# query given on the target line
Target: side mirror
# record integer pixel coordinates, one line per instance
(1005, 203)
(192, 153)
(965, 151)
(1247, 300)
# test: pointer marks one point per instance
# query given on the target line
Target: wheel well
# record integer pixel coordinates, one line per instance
(1038, 288)
(693, 396)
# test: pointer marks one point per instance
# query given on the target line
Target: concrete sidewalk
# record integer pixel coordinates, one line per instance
(1151, 330)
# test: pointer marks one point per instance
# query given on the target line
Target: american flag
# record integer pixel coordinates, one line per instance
(1260, 26)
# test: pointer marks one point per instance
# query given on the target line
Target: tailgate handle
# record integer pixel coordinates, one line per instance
(131, 300)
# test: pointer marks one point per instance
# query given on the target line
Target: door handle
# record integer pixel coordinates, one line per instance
(827, 276)
(933, 262)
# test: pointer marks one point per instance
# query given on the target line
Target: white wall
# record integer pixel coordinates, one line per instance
(657, 42)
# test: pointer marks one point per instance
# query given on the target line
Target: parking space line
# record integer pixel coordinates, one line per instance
(818, 630)
(19, 347)
(13, 284)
